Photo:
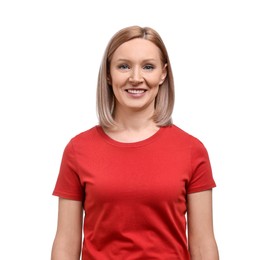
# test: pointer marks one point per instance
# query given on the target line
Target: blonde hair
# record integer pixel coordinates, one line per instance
(105, 101)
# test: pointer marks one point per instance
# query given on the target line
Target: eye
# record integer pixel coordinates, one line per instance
(123, 67)
(148, 67)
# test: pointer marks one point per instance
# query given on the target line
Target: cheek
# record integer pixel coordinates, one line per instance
(153, 81)
(118, 80)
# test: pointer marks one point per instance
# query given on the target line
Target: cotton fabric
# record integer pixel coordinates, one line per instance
(134, 194)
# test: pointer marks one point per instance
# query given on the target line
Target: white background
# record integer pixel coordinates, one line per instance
(50, 52)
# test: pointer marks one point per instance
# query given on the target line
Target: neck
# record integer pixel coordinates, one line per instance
(134, 120)
(132, 125)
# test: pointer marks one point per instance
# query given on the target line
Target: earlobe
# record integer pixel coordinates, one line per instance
(164, 73)
(162, 80)
(108, 80)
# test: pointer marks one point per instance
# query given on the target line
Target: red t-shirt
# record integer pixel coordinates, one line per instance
(134, 194)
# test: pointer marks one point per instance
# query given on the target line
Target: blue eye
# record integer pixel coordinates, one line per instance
(148, 67)
(123, 67)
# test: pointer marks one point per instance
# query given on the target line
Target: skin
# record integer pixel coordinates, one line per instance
(201, 240)
(67, 243)
(136, 65)
(136, 73)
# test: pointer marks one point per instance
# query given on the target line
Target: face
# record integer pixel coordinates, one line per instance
(136, 73)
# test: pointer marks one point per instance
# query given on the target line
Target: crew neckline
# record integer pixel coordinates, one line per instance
(144, 142)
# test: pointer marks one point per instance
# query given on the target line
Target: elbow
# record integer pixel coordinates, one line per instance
(61, 250)
(206, 250)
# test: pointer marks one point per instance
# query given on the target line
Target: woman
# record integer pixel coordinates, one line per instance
(135, 175)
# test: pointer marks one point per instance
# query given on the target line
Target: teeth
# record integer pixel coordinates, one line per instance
(135, 91)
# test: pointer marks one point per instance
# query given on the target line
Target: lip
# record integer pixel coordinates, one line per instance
(135, 92)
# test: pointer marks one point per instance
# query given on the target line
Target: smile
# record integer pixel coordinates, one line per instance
(136, 91)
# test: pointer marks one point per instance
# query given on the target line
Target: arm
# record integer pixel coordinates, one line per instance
(67, 243)
(202, 244)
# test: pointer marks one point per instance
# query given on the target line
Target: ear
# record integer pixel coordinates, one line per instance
(164, 73)
(109, 80)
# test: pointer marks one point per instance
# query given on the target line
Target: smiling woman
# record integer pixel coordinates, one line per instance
(136, 72)
(164, 101)
(135, 175)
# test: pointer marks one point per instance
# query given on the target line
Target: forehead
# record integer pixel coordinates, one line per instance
(137, 49)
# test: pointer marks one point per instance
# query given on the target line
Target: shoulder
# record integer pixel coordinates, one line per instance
(178, 134)
(84, 138)
(85, 134)
(83, 142)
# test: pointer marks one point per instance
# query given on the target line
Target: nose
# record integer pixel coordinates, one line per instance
(136, 76)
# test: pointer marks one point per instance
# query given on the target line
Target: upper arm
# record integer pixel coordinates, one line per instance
(200, 224)
(69, 230)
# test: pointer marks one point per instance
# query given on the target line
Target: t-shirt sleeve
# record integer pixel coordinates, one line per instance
(201, 172)
(68, 183)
